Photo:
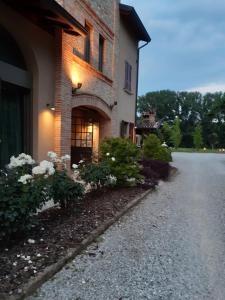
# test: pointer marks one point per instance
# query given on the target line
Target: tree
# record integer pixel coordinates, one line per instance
(176, 135)
(197, 137)
(166, 133)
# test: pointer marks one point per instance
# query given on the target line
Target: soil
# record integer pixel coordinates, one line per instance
(57, 231)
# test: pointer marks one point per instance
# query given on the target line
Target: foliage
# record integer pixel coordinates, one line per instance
(122, 156)
(191, 108)
(97, 174)
(64, 190)
(155, 169)
(19, 201)
(153, 149)
(176, 135)
(166, 133)
(26, 186)
(197, 137)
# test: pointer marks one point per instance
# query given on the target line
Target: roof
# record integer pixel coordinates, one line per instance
(132, 19)
(48, 14)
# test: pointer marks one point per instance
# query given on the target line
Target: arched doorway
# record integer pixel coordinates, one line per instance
(89, 127)
(15, 102)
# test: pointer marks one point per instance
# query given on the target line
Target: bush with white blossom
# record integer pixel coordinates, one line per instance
(122, 156)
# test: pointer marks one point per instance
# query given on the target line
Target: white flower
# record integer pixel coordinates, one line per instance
(74, 166)
(107, 154)
(131, 180)
(41, 240)
(18, 255)
(81, 162)
(52, 155)
(111, 180)
(25, 269)
(29, 261)
(25, 179)
(21, 160)
(35, 271)
(15, 264)
(65, 158)
(113, 159)
(30, 241)
(45, 168)
(38, 255)
(164, 145)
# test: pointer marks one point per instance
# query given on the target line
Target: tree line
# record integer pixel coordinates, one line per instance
(189, 119)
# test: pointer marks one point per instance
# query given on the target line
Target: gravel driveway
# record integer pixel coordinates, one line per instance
(172, 246)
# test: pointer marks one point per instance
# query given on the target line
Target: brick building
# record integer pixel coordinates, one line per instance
(68, 75)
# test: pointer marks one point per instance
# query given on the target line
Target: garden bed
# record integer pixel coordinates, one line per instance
(58, 231)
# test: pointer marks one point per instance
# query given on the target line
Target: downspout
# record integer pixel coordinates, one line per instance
(137, 79)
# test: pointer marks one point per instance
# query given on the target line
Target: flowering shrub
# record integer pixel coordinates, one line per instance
(21, 194)
(97, 175)
(153, 149)
(122, 156)
(26, 186)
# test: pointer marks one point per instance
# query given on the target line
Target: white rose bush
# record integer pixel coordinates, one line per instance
(26, 186)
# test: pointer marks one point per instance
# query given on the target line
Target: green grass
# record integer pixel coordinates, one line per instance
(192, 150)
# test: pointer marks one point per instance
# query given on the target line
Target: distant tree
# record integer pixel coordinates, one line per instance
(197, 137)
(213, 139)
(166, 133)
(176, 135)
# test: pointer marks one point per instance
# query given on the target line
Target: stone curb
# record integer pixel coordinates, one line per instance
(29, 288)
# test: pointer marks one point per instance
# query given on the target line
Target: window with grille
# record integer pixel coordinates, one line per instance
(82, 133)
(87, 46)
(128, 73)
(101, 53)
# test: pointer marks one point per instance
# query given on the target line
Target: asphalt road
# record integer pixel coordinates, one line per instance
(171, 246)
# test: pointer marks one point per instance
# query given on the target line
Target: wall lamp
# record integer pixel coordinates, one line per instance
(112, 105)
(50, 106)
(75, 88)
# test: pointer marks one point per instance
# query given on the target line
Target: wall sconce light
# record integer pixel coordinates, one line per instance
(50, 106)
(112, 105)
(76, 87)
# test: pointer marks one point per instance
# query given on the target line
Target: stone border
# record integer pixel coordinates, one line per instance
(29, 288)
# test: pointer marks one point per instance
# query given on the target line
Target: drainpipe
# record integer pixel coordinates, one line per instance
(137, 79)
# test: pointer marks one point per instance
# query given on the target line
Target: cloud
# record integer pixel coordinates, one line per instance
(188, 44)
(210, 88)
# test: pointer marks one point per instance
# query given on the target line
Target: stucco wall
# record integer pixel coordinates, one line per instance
(37, 47)
(128, 52)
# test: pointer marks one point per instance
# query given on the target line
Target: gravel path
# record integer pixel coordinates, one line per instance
(172, 246)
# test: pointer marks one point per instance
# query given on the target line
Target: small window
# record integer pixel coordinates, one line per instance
(101, 53)
(87, 46)
(128, 72)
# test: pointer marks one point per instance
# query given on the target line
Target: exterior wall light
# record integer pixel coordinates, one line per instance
(50, 106)
(113, 105)
(76, 87)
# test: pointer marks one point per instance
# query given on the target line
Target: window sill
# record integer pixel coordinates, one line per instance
(128, 92)
(92, 69)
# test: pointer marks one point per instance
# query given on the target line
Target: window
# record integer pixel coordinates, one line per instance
(128, 71)
(87, 46)
(101, 53)
(123, 129)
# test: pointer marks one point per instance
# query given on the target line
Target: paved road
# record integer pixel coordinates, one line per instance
(172, 246)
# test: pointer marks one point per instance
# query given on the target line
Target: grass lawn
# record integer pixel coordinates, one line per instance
(192, 150)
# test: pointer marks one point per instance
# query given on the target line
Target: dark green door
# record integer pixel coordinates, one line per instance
(13, 106)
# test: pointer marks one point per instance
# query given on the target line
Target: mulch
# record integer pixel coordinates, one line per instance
(56, 232)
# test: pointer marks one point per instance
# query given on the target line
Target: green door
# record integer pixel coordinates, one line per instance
(11, 121)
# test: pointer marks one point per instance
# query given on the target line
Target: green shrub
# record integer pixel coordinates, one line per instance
(64, 190)
(19, 202)
(122, 156)
(96, 174)
(153, 149)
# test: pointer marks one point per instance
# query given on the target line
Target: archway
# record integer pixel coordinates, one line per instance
(89, 127)
(15, 104)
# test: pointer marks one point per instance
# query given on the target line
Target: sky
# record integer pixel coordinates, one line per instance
(187, 51)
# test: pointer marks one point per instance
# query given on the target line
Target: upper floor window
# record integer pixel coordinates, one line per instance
(101, 53)
(87, 46)
(128, 72)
